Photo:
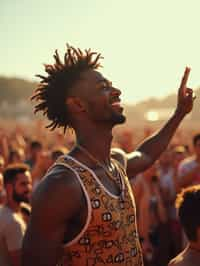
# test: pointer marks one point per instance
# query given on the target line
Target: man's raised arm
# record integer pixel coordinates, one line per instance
(149, 151)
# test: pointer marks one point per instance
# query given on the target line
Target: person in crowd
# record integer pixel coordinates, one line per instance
(179, 153)
(187, 204)
(168, 168)
(4, 145)
(39, 161)
(152, 216)
(16, 156)
(189, 169)
(83, 211)
(18, 186)
(35, 150)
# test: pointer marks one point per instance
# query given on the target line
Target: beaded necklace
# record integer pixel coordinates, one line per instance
(116, 178)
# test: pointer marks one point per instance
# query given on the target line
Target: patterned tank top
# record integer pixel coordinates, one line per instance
(109, 236)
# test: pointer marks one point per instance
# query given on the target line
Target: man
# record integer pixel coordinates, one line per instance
(151, 217)
(189, 169)
(35, 151)
(17, 182)
(39, 161)
(187, 203)
(83, 211)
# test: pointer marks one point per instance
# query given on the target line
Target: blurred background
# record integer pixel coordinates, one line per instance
(145, 44)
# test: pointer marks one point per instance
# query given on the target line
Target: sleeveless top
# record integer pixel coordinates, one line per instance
(109, 236)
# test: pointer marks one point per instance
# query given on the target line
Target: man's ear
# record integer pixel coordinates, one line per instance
(75, 105)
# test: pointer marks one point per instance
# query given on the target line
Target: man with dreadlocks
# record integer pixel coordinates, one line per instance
(83, 211)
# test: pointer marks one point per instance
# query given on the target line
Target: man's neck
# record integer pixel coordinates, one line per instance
(14, 206)
(97, 143)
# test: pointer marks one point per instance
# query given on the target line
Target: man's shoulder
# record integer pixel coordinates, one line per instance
(5, 214)
(59, 180)
(59, 194)
(9, 219)
(58, 172)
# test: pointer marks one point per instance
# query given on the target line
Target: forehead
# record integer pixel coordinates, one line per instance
(88, 82)
(92, 76)
(26, 176)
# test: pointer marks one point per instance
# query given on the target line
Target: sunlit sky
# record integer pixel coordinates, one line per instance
(146, 44)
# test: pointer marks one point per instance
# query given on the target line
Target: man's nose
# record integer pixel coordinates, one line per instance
(115, 91)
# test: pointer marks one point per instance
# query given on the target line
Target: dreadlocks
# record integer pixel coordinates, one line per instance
(53, 89)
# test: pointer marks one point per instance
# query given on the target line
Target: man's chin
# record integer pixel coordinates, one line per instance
(119, 120)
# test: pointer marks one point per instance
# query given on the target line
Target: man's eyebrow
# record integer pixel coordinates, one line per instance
(108, 82)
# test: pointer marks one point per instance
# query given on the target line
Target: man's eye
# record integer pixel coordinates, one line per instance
(106, 87)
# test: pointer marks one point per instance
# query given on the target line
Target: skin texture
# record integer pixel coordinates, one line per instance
(59, 207)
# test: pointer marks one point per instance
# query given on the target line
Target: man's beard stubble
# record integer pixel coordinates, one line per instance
(20, 197)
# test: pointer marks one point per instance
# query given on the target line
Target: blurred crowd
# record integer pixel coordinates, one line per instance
(30, 148)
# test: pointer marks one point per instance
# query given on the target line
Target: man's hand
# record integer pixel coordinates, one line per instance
(185, 95)
(151, 148)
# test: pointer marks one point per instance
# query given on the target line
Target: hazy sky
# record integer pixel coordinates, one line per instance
(146, 44)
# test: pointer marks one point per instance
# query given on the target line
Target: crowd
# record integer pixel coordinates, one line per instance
(27, 153)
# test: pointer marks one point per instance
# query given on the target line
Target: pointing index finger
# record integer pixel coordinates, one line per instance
(184, 80)
(185, 77)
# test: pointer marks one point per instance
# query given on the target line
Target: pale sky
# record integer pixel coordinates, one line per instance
(146, 44)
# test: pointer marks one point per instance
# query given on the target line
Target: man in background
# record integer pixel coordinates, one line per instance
(18, 186)
(189, 168)
(188, 204)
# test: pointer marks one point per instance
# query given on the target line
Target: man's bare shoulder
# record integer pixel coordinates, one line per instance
(59, 189)
(56, 177)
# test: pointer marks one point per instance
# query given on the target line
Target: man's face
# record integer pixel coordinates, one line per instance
(101, 99)
(22, 187)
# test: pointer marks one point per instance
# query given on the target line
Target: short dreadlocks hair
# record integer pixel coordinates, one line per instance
(54, 88)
